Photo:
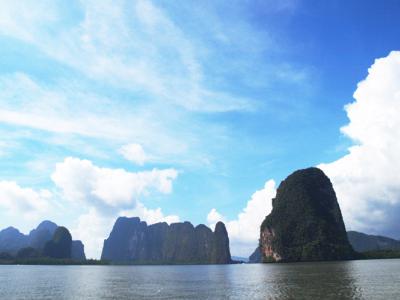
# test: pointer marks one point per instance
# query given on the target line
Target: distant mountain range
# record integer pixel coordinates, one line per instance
(362, 242)
(240, 259)
(12, 240)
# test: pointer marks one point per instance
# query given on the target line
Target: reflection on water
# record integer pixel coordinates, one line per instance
(375, 279)
(314, 281)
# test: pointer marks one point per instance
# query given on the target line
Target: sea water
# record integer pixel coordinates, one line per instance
(368, 279)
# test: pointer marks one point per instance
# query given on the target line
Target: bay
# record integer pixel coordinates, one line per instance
(368, 279)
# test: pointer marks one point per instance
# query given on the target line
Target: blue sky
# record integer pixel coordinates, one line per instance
(185, 110)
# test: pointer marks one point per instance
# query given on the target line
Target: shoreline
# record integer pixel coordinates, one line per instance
(93, 262)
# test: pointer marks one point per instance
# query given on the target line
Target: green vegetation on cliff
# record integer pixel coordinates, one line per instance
(305, 223)
(10, 260)
(379, 254)
(28, 253)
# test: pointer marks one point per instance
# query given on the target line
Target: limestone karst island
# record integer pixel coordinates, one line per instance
(212, 149)
(305, 224)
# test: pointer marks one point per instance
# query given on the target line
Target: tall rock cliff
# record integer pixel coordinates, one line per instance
(78, 251)
(221, 244)
(305, 223)
(133, 241)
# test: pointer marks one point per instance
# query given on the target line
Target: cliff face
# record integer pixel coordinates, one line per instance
(305, 223)
(221, 242)
(255, 257)
(78, 251)
(132, 240)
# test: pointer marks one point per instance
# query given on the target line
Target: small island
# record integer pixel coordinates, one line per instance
(48, 244)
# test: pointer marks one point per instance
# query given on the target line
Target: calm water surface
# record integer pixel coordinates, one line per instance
(373, 279)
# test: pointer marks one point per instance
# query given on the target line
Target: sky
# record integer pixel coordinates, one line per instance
(196, 110)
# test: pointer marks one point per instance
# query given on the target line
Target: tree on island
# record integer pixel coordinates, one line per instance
(28, 252)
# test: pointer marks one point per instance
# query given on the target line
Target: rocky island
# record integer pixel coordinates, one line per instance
(47, 240)
(305, 223)
(133, 241)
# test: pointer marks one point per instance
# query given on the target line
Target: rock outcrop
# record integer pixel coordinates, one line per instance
(221, 244)
(362, 242)
(60, 246)
(39, 236)
(133, 241)
(255, 257)
(305, 223)
(11, 240)
(78, 251)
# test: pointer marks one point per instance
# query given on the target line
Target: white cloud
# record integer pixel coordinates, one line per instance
(17, 18)
(160, 65)
(131, 45)
(151, 216)
(67, 115)
(102, 195)
(367, 179)
(106, 194)
(92, 228)
(134, 153)
(81, 180)
(27, 103)
(26, 201)
(214, 217)
(245, 230)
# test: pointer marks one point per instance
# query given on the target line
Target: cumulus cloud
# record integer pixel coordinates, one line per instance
(367, 179)
(81, 180)
(26, 201)
(244, 231)
(214, 217)
(134, 153)
(92, 228)
(151, 216)
(108, 193)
